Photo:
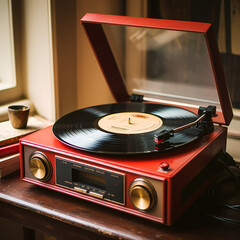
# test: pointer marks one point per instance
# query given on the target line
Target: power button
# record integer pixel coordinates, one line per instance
(164, 166)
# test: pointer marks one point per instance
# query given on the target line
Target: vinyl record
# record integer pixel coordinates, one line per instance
(124, 128)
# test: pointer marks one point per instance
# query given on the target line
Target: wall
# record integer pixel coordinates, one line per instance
(91, 85)
(79, 81)
(36, 58)
(64, 55)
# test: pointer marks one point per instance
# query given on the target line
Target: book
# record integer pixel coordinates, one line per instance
(9, 164)
(9, 149)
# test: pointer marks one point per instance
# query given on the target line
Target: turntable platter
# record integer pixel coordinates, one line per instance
(124, 128)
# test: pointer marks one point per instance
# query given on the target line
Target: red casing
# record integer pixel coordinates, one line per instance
(186, 179)
(185, 165)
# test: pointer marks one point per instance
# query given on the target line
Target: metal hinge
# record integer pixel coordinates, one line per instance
(136, 98)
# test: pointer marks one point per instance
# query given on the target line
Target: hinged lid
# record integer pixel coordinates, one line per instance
(172, 62)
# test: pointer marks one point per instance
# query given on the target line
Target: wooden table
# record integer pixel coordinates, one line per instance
(67, 217)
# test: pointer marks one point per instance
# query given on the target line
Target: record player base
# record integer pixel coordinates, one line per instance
(67, 217)
(80, 174)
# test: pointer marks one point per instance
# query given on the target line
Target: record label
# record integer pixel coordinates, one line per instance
(130, 123)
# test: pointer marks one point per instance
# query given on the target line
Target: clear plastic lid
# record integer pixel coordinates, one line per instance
(167, 65)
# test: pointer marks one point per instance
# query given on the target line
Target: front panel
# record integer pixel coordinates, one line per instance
(126, 191)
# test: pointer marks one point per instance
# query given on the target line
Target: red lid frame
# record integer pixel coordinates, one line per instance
(92, 24)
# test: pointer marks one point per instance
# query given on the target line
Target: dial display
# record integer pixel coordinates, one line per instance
(88, 178)
(95, 181)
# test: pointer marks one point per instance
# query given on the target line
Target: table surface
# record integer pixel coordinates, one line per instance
(67, 217)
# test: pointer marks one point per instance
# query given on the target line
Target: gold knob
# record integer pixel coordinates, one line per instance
(142, 194)
(40, 166)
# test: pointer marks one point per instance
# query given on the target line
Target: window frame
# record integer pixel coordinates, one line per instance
(13, 90)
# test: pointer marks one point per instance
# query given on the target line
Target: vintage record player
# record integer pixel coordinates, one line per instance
(152, 153)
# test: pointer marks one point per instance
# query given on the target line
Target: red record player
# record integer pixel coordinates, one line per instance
(154, 155)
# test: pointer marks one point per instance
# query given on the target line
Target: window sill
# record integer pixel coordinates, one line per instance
(10, 135)
(4, 108)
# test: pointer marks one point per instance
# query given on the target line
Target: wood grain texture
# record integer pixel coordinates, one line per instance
(68, 217)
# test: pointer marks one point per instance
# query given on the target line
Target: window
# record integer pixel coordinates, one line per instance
(7, 63)
(10, 89)
(225, 16)
(31, 31)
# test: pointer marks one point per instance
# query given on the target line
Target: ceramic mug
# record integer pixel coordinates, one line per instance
(18, 115)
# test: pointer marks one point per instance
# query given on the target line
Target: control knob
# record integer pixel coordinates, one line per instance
(142, 194)
(40, 166)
